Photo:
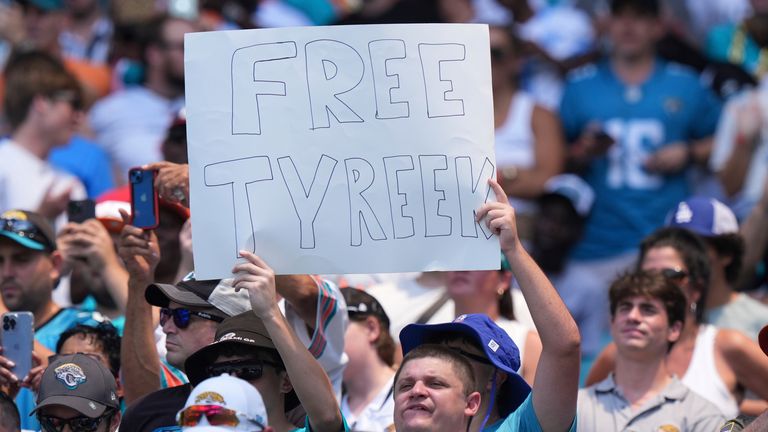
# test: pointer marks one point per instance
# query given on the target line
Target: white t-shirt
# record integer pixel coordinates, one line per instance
(131, 125)
(326, 343)
(25, 179)
(377, 415)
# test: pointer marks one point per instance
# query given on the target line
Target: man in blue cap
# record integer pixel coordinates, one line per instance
(507, 402)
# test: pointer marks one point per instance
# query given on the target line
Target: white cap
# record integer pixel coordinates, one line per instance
(230, 393)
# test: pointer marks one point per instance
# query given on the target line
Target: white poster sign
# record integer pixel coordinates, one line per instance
(357, 149)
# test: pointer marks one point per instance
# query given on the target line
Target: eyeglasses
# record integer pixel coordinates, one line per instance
(181, 316)
(674, 274)
(216, 416)
(80, 424)
(25, 228)
(248, 370)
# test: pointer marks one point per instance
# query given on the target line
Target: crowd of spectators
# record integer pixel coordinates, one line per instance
(630, 202)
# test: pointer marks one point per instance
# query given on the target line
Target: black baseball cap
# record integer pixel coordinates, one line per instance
(29, 229)
(206, 294)
(245, 330)
(641, 7)
(360, 303)
(79, 382)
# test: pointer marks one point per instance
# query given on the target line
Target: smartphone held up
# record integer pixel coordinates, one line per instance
(144, 201)
(17, 333)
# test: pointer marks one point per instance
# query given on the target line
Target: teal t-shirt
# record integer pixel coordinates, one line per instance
(306, 427)
(523, 419)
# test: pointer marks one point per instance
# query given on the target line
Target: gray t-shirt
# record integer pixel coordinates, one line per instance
(602, 407)
(744, 314)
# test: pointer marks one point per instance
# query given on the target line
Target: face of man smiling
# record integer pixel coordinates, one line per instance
(430, 396)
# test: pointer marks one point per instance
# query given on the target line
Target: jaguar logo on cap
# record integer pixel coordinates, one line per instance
(71, 375)
(210, 398)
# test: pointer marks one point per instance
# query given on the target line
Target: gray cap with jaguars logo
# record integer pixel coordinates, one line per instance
(79, 382)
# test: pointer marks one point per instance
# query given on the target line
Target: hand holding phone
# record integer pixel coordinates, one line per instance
(144, 204)
(18, 340)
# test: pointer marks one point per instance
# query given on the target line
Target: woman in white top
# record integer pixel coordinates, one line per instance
(529, 143)
(367, 402)
(488, 292)
(718, 364)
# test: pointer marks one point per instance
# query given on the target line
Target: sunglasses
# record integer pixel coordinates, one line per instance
(248, 370)
(80, 424)
(181, 317)
(25, 228)
(215, 415)
(675, 274)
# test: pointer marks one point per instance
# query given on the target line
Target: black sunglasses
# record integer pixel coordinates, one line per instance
(182, 316)
(80, 423)
(249, 370)
(25, 228)
(675, 274)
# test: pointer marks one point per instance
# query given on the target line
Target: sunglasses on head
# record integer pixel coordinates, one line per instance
(248, 370)
(80, 423)
(674, 273)
(215, 415)
(182, 316)
(24, 228)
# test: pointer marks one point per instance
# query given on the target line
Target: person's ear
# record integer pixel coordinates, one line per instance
(372, 327)
(674, 331)
(473, 404)
(285, 382)
(56, 264)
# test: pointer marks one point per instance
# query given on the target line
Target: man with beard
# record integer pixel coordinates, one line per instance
(30, 266)
(131, 124)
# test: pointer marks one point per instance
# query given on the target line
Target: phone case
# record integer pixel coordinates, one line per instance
(81, 211)
(18, 334)
(144, 205)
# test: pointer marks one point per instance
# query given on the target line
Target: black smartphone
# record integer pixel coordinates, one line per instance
(18, 335)
(81, 210)
(144, 205)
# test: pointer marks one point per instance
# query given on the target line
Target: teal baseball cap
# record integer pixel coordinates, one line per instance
(45, 5)
(28, 229)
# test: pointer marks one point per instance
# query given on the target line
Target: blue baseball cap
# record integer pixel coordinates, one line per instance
(499, 348)
(707, 217)
(28, 229)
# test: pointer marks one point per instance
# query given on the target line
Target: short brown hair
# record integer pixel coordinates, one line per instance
(31, 74)
(459, 364)
(653, 285)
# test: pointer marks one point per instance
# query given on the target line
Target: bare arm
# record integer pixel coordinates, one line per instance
(308, 378)
(603, 365)
(557, 377)
(531, 357)
(549, 155)
(755, 228)
(735, 170)
(140, 362)
(746, 359)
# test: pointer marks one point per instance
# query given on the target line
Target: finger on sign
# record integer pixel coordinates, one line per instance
(501, 196)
